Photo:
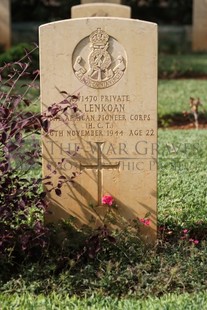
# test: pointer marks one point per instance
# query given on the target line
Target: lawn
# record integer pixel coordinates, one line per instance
(142, 277)
(182, 65)
(182, 166)
(125, 273)
(54, 301)
(173, 96)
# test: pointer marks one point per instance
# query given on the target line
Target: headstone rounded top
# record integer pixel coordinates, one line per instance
(103, 1)
(100, 9)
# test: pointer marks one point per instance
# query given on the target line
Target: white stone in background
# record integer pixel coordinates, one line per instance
(5, 24)
(199, 25)
(99, 1)
(100, 9)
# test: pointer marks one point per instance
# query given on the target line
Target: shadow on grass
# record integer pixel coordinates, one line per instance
(173, 233)
(122, 262)
(178, 120)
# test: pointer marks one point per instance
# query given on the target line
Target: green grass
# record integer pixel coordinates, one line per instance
(127, 268)
(173, 99)
(29, 92)
(182, 167)
(17, 53)
(128, 275)
(182, 65)
(173, 95)
(54, 301)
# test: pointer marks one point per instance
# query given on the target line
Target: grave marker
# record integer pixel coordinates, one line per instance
(199, 25)
(100, 9)
(5, 24)
(112, 64)
(101, 1)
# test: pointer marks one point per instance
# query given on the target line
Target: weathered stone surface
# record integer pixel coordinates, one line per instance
(100, 9)
(199, 25)
(101, 1)
(5, 24)
(112, 64)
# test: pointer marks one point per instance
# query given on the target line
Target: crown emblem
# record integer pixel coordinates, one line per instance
(96, 63)
(99, 37)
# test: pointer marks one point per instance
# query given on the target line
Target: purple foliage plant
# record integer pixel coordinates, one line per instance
(22, 203)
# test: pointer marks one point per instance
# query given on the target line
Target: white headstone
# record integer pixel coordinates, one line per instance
(199, 25)
(5, 24)
(112, 64)
(99, 1)
(100, 9)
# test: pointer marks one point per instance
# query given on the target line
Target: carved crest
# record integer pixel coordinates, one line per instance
(99, 61)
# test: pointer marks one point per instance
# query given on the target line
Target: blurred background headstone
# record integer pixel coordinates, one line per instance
(199, 25)
(5, 25)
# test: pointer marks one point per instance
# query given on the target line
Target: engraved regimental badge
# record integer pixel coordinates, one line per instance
(99, 61)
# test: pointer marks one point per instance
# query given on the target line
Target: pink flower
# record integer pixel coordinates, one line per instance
(146, 221)
(185, 231)
(196, 241)
(107, 200)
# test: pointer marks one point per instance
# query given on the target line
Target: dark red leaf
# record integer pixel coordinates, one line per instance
(60, 184)
(48, 183)
(43, 195)
(36, 72)
(111, 239)
(11, 147)
(3, 137)
(9, 83)
(58, 192)
(6, 112)
(45, 125)
(18, 136)
(64, 101)
(27, 101)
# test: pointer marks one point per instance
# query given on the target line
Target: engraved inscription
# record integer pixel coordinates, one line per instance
(99, 118)
(98, 114)
(99, 61)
